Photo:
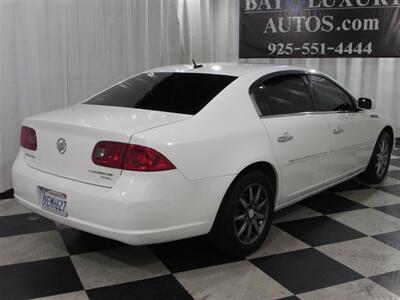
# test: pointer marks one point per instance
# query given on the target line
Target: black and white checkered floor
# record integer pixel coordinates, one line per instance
(341, 244)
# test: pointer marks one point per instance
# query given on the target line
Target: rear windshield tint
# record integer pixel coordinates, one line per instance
(183, 93)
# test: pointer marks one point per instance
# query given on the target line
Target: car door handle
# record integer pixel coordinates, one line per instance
(286, 137)
(338, 130)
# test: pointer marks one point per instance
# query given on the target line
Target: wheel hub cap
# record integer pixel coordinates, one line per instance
(251, 213)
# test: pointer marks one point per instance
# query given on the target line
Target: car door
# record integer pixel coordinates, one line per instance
(299, 137)
(348, 127)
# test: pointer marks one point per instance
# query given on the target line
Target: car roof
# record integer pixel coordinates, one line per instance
(231, 69)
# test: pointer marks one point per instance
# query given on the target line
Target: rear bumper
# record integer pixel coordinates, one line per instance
(141, 208)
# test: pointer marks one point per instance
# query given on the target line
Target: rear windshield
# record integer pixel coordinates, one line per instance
(183, 93)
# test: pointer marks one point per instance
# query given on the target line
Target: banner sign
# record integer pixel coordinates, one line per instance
(319, 28)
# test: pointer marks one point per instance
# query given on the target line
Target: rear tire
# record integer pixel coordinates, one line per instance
(379, 162)
(245, 216)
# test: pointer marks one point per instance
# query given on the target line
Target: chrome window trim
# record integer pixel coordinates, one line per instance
(309, 113)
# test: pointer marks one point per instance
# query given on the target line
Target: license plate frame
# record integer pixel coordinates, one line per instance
(53, 201)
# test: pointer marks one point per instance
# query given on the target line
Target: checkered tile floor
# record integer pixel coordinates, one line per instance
(340, 244)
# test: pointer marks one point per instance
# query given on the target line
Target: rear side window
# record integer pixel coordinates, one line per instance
(183, 93)
(329, 96)
(281, 95)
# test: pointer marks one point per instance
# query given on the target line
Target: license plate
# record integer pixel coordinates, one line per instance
(54, 202)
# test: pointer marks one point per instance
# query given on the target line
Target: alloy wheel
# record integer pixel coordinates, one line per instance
(382, 157)
(251, 213)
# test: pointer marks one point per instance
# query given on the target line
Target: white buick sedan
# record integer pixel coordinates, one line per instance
(182, 151)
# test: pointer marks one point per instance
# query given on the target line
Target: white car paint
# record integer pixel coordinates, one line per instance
(83, 126)
(302, 162)
(209, 150)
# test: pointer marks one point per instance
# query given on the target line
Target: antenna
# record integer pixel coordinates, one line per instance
(196, 66)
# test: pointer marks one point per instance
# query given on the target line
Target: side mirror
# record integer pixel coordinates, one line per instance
(364, 103)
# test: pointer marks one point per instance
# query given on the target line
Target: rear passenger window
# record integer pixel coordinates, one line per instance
(330, 97)
(281, 95)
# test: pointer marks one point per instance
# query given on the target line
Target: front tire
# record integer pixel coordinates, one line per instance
(379, 161)
(245, 216)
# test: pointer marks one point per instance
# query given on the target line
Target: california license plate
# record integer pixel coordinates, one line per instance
(54, 202)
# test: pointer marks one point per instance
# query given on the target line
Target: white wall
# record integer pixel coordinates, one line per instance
(57, 52)
(54, 53)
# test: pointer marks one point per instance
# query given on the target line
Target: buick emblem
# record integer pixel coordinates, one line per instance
(61, 146)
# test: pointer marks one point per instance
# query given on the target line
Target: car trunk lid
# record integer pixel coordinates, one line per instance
(66, 138)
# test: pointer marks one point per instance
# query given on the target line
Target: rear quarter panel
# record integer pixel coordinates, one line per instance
(222, 139)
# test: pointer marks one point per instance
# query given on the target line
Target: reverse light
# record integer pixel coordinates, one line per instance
(28, 138)
(129, 157)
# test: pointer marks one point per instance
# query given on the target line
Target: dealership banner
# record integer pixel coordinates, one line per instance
(319, 28)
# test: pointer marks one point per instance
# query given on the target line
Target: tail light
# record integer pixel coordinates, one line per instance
(109, 154)
(28, 138)
(129, 157)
